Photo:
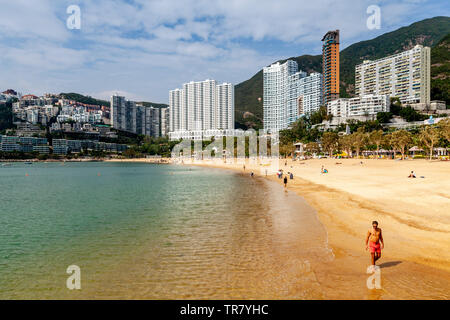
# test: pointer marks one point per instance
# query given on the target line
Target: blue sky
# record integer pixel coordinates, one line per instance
(143, 48)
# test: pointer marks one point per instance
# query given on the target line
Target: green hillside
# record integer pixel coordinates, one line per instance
(427, 32)
(155, 105)
(84, 99)
(89, 100)
(440, 71)
(6, 116)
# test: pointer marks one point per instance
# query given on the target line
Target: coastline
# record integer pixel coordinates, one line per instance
(136, 160)
(413, 214)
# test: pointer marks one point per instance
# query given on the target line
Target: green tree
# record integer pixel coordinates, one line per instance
(319, 116)
(384, 117)
(400, 140)
(444, 127)
(429, 136)
(359, 140)
(330, 142)
(346, 144)
(376, 137)
(312, 148)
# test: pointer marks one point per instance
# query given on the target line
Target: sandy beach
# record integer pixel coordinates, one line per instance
(414, 215)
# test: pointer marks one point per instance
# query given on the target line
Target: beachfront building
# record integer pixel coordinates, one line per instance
(63, 146)
(304, 94)
(275, 94)
(330, 66)
(133, 117)
(405, 75)
(60, 146)
(23, 144)
(288, 94)
(164, 114)
(363, 106)
(200, 106)
(338, 108)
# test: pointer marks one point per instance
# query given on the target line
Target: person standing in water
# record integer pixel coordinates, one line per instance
(374, 241)
(285, 181)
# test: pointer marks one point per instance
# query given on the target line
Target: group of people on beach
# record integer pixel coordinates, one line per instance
(374, 238)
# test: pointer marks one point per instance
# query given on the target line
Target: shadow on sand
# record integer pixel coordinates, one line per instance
(389, 264)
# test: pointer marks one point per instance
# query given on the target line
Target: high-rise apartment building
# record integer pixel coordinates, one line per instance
(275, 94)
(200, 106)
(330, 66)
(305, 94)
(164, 114)
(405, 75)
(288, 94)
(135, 118)
(361, 106)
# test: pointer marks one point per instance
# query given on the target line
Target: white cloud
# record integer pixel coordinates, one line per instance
(148, 47)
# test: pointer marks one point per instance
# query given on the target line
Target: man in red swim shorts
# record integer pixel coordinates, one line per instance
(374, 241)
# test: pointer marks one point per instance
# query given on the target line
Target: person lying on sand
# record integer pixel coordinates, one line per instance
(412, 175)
(374, 241)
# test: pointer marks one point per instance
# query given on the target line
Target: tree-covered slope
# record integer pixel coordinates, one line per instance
(84, 99)
(440, 71)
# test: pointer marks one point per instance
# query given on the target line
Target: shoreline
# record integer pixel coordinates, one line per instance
(346, 201)
(135, 160)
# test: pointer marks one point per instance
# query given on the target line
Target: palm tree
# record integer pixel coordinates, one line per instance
(401, 139)
(429, 136)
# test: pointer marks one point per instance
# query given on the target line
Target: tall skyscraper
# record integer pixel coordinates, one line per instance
(275, 94)
(330, 66)
(288, 94)
(305, 94)
(199, 106)
(405, 75)
(135, 118)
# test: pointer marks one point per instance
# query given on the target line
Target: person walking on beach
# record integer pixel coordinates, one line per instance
(285, 181)
(374, 241)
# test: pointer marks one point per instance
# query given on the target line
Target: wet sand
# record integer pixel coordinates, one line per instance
(414, 215)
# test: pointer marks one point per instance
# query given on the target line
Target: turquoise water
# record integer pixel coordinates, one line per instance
(153, 231)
